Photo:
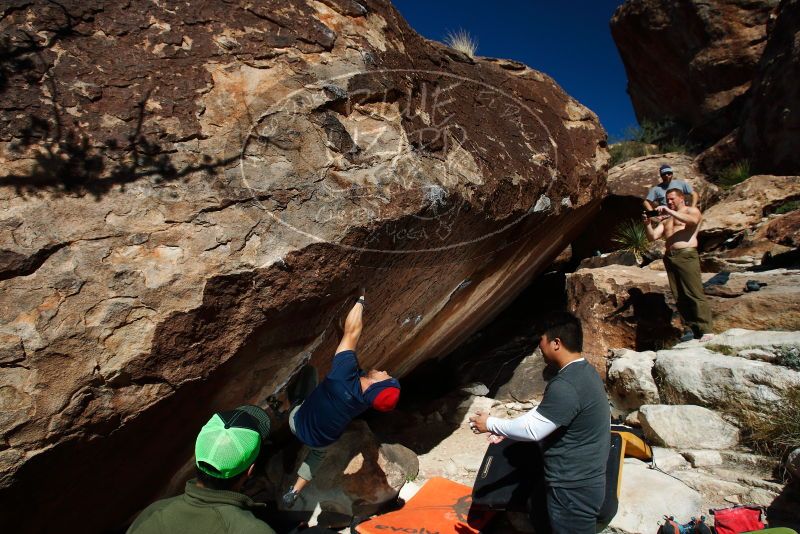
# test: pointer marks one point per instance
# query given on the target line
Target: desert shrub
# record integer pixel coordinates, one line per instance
(786, 207)
(625, 150)
(772, 428)
(733, 174)
(668, 135)
(462, 41)
(632, 236)
(790, 358)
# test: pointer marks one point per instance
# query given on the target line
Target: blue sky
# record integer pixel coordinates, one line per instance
(567, 40)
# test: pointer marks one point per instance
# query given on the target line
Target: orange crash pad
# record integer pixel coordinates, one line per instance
(439, 507)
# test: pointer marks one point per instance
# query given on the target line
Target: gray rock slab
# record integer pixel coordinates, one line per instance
(697, 375)
(647, 495)
(687, 427)
(629, 380)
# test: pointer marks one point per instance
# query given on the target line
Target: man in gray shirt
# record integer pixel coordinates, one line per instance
(657, 196)
(572, 427)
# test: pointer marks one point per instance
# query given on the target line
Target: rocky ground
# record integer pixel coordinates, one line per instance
(679, 397)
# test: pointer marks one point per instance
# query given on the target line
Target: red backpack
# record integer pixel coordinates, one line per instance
(737, 519)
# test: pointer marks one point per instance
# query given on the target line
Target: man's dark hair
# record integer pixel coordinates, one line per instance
(218, 483)
(675, 190)
(567, 328)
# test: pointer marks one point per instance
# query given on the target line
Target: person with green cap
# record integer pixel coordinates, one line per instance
(226, 450)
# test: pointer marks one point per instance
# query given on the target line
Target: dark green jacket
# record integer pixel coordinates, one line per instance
(199, 511)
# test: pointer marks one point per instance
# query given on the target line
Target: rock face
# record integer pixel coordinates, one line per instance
(191, 193)
(785, 230)
(629, 381)
(744, 207)
(632, 307)
(691, 61)
(687, 426)
(697, 375)
(621, 306)
(769, 132)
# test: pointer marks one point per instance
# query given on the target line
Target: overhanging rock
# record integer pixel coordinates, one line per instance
(191, 194)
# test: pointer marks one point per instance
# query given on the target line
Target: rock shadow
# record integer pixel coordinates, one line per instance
(650, 316)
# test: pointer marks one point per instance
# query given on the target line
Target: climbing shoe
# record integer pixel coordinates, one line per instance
(290, 497)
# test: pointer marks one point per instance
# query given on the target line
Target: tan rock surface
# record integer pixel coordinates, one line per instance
(744, 207)
(785, 229)
(190, 193)
(630, 307)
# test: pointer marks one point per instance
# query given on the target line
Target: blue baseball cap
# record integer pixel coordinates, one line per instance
(665, 169)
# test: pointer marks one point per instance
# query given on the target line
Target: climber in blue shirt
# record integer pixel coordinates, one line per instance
(345, 393)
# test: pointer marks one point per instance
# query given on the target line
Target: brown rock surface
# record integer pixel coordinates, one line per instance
(691, 61)
(189, 195)
(745, 206)
(631, 307)
(770, 131)
(621, 307)
(785, 230)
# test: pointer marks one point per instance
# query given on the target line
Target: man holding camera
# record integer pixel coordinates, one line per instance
(679, 224)
(657, 196)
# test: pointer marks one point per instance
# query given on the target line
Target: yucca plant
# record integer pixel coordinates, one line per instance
(632, 236)
(462, 41)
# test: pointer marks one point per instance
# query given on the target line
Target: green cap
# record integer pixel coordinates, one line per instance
(230, 441)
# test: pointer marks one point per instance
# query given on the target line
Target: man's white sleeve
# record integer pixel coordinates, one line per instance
(531, 426)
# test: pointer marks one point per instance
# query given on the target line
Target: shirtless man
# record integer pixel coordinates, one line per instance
(679, 224)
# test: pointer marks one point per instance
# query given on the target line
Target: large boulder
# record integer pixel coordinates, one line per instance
(629, 379)
(775, 307)
(528, 381)
(770, 131)
(745, 207)
(621, 307)
(691, 61)
(785, 230)
(648, 495)
(632, 307)
(691, 373)
(191, 192)
(767, 345)
(687, 426)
